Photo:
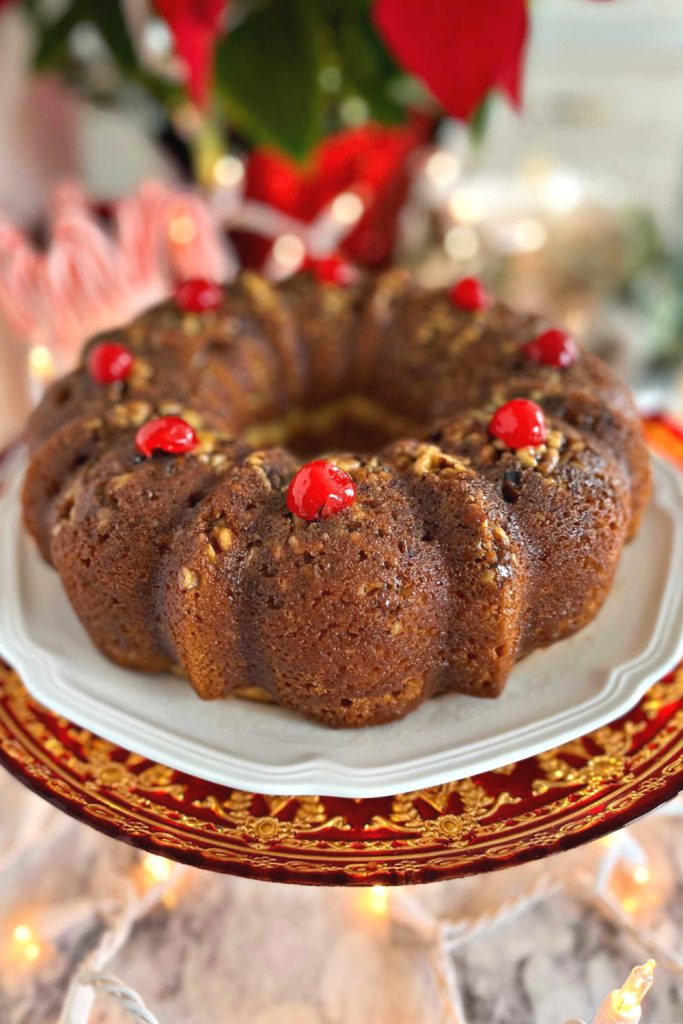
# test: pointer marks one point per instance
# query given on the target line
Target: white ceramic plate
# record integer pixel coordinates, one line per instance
(552, 697)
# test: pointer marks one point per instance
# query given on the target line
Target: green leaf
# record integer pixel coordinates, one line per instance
(366, 66)
(109, 20)
(266, 76)
(105, 15)
(480, 119)
(53, 49)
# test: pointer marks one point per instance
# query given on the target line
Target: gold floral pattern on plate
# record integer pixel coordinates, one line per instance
(530, 809)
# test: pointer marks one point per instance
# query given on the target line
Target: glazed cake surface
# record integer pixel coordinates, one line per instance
(459, 553)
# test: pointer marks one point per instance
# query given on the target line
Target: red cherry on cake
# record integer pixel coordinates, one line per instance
(469, 293)
(519, 423)
(170, 434)
(331, 270)
(552, 348)
(320, 490)
(109, 362)
(196, 295)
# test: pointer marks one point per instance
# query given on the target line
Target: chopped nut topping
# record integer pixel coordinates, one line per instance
(466, 337)
(347, 464)
(122, 480)
(224, 536)
(501, 535)
(256, 461)
(207, 443)
(391, 286)
(141, 372)
(128, 414)
(169, 408)
(263, 294)
(193, 418)
(528, 457)
(431, 459)
(188, 579)
(139, 411)
(104, 517)
(550, 460)
(191, 324)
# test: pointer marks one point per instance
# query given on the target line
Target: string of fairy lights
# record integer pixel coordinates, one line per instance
(621, 885)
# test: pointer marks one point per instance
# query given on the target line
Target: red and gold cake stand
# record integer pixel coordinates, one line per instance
(539, 806)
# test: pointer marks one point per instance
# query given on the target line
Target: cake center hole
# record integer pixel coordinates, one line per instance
(353, 423)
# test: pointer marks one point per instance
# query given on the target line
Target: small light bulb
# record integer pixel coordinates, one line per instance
(228, 171)
(41, 363)
(461, 242)
(641, 874)
(467, 206)
(529, 235)
(32, 951)
(347, 208)
(634, 989)
(442, 168)
(378, 900)
(289, 251)
(354, 110)
(182, 229)
(22, 934)
(330, 78)
(561, 192)
(157, 38)
(158, 868)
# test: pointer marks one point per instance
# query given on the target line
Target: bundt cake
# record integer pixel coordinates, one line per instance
(483, 475)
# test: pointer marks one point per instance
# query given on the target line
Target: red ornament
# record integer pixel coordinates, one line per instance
(552, 348)
(170, 434)
(108, 362)
(195, 25)
(461, 49)
(469, 293)
(196, 295)
(520, 423)
(320, 490)
(331, 270)
(373, 161)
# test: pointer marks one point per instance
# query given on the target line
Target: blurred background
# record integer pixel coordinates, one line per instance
(571, 205)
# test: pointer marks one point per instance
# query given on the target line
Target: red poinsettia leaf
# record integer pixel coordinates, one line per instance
(460, 49)
(195, 25)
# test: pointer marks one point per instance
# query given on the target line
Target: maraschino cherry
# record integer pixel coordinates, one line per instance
(108, 362)
(469, 293)
(519, 423)
(320, 490)
(170, 434)
(554, 347)
(331, 270)
(197, 295)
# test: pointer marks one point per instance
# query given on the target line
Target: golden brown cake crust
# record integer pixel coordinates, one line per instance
(458, 556)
